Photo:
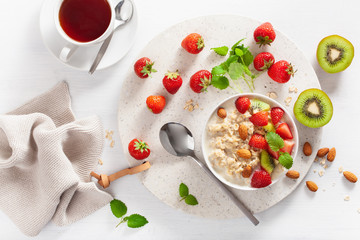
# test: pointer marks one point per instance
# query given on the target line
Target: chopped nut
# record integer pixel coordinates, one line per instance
(341, 169)
(316, 159)
(347, 198)
(272, 95)
(287, 101)
(112, 143)
(321, 173)
(196, 106)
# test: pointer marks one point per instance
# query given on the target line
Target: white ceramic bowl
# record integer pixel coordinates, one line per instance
(231, 100)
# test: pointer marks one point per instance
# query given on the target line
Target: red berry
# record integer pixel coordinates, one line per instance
(156, 103)
(260, 118)
(274, 154)
(281, 71)
(263, 61)
(200, 81)
(193, 43)
(260, 179)
(143, 67)
(264, 34)
(284, 131)
(288, 146)
(258, 141)
(172, 82)
(139, 149)
(242, 104)
(276, 114)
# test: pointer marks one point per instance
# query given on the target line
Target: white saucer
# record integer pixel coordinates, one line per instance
(83, 58)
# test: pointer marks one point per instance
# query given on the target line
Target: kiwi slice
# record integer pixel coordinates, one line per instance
(335, 53)
(313, 108)
(269, 127)
(257, 106)
(267, 162)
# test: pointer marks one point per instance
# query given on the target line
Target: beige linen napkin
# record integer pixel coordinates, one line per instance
(46, 156)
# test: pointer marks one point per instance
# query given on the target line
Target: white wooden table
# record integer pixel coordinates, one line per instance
(28, 69)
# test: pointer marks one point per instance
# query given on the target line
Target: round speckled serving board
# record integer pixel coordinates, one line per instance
(167, 171)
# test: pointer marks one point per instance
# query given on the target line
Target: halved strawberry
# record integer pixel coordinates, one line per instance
(288, 146)
(258, 141)
(260, 118)
(284, 131)
(242, 104)
(276, 115)
(274, 154)
(260, 179)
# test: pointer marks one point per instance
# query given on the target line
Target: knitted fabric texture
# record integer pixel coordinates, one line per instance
(46, 156)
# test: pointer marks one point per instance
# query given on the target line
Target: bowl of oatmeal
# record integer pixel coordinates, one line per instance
(249, 141)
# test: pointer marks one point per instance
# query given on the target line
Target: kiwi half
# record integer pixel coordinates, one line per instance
(313, 108)
(334, 53)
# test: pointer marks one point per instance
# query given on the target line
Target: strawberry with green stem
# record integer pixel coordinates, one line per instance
(200, 81)
(172, 82)
(193, 43)
(139, 149)
(144, 67)
(264, 34)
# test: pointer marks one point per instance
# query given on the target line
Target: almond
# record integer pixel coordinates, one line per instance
(331, 155)
(221, 113)
(307, 149)
(350, 176)
(322, 152)
(293, 174)
(244, 153)
(243, 132)
(311, 186)
(246, 173)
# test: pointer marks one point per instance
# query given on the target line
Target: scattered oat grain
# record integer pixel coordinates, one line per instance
(112, 143)
(293, 89)
(272, 95)
(358, 210)
(321, 173)
(190, 105)
(322, 162)
(287, 101)
(100, 162)
(325, 166)
(347, 198)
(314, 171)
(316, 159)
(341, 169)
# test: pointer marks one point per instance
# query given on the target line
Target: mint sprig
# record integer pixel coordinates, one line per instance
(119, 209)
(236, 67)
(184, 194)
(286, 160)
(275, 141)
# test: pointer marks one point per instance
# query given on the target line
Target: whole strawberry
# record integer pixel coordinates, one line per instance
(276, 114)
(263, 61)
(259, 118)
(242, 104)
(258, 141)
(172, 82)
(281, 71)
(200, 81)
(193, 43)
(144, 67)
(156, 103)
(138, 149)
(264, 34)
(260, 179)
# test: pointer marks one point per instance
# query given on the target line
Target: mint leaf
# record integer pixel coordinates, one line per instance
(218, 70)
(275, 141)
(286, 160)
(183, 190)
(220, 82)
(135, 221)
(191, 200)
(235, 45)
(118, 208)
(239, 52)
(247, 57)
(225, 65)
(222, 51)
(235, 70)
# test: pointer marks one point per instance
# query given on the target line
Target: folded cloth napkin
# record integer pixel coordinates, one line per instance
(46, 156)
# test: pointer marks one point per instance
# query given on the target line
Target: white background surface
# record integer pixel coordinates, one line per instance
(28, 69)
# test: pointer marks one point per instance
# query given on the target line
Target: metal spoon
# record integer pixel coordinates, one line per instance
(178, 141)
(122, 17)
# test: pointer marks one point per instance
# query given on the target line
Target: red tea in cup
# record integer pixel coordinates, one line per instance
(84, 20)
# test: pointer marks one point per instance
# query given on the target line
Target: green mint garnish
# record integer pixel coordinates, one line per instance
(184, 194)
(119, 209)
(286, 160)
(218, 70)
(220, 82)
(275, 141)
(222, 51)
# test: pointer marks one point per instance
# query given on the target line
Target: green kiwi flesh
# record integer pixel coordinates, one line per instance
(335, 53)
(257, 106)
(266, 162)
(313, 108)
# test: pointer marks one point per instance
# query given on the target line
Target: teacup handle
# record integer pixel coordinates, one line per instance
(67, 52)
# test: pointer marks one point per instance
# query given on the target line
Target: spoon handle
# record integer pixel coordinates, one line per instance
(237, 202)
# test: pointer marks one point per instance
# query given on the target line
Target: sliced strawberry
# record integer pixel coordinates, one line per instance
(260, 118)
(260, 179)
(276, 115)
(273, 153)
(284, 131)
(288, 146)
(242, 104)
(258, 141)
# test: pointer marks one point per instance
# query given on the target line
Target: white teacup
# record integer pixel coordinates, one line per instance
(72, 45)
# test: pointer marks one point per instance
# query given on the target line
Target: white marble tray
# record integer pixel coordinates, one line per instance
(167, 171)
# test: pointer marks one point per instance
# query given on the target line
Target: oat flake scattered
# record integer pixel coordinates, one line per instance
(112, 143)
(316, 159)
(100, 162)
(190, 105)
(325, 166)
(314, 171)
(272, 95)
(341, 169)
(358, 210)
(321, 173)
(347, 198)
(287, 101)
(322, 162)
(293, 89)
